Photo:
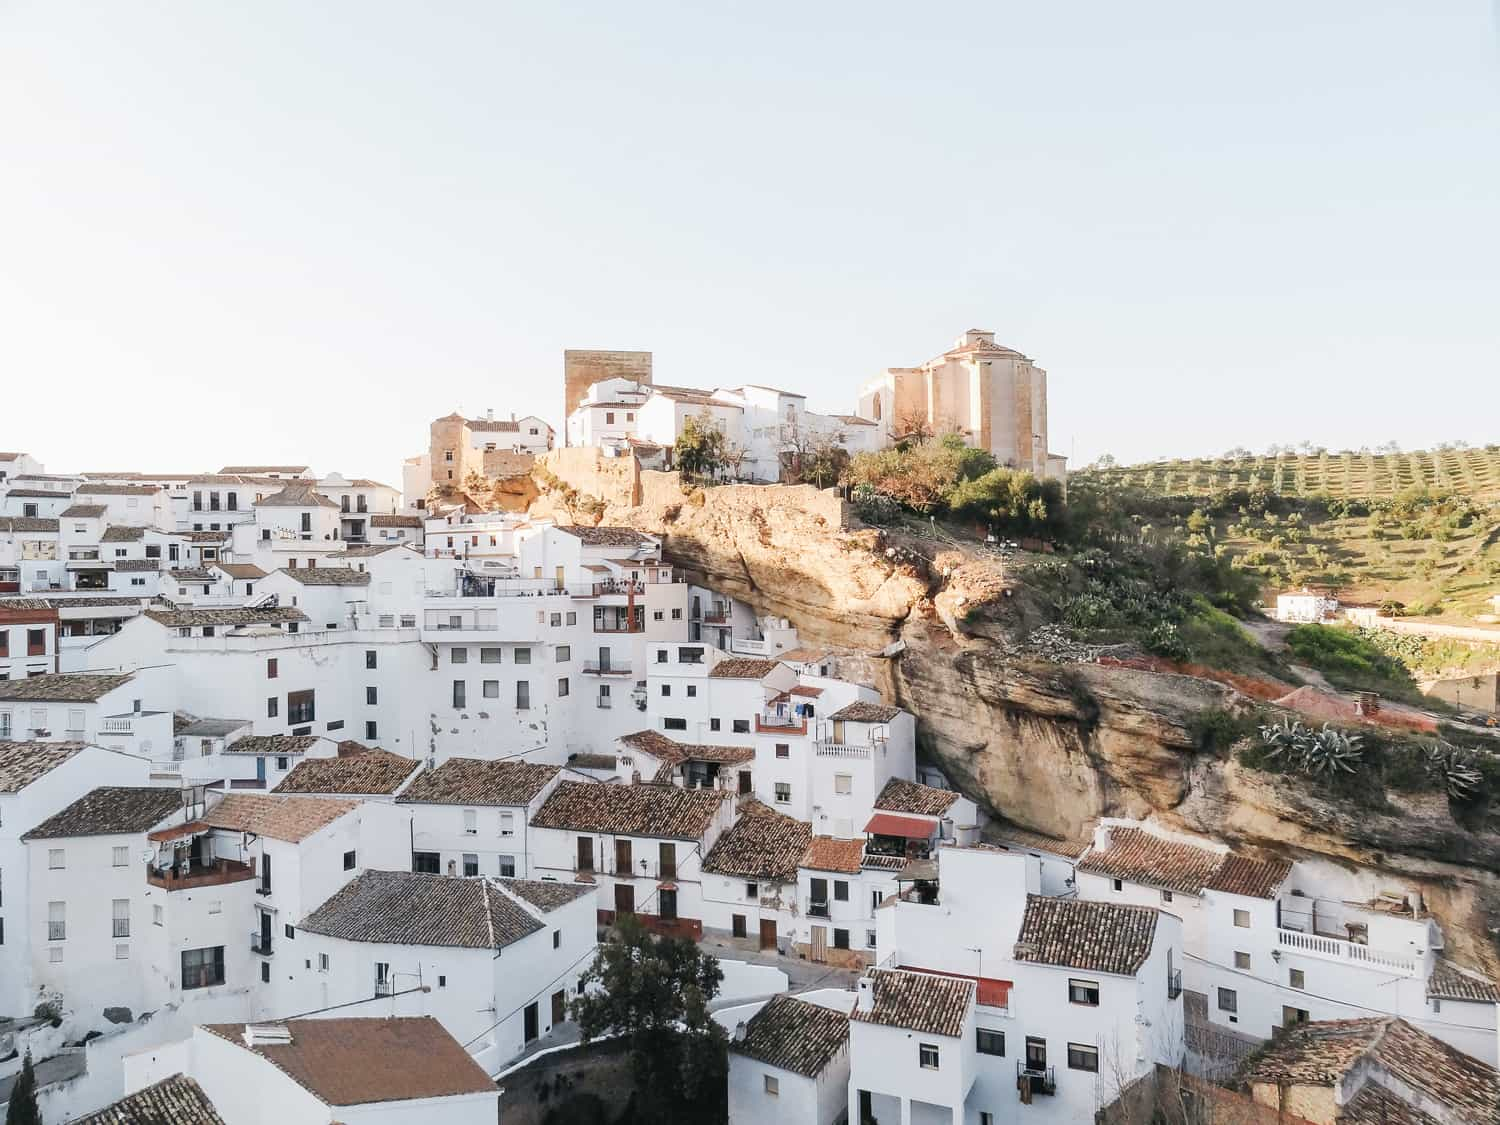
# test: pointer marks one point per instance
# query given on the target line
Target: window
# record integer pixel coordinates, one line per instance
(158, 916)
(120, 857)
(291, 931)
(772, 1086)
(692, 691)
(713, 724)
(988, 1042)
(571, 617)
(370, 734)
(1229, 1000)
(120, 922)
(840, 891)
(57, 859)
(1242, 919)
(282, 762)
(300, 707)
(673, 724)
(740, 726)
(1166, 896)
(1083, 992)
(122, 953)
(556, 939)
(55, 955)
(1083, 1057)
(489, 656)
(1290, 1016)
(471, 864)
(322, 962)
(202, 968)
(428, 863)
(661, 656)
(523, 695)
(57, 921)
(523, 656)
(471, 822)
(349, 858)
(458, 656)
(507, 824)
(273, 707)
(667, 905)
(460, 694)
(265, 972)
(843, 783)
(490, 689)
(927, 1056)
(752, 891)
(841, 939)
(1118, 885)
(562, 686)
(508, 866)
(1296, 979)
(677, 615)
(1241, 960)
(370, 696)
(783, 792)
(666, 689)
(272, 669)
(783, 749)
(564, 654)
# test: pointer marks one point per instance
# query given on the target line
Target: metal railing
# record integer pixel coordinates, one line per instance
(1337, 949)
(1043, 1079)
(57, 931)
(1174, 984)
(260, 943)
(817, 910)
(605, 668)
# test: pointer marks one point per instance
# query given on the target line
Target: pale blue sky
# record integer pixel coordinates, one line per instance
(292, 231)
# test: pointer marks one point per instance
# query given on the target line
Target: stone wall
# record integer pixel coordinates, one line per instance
(615, 480)
(582, 369)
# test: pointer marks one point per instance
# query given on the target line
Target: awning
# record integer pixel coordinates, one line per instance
(178, 831)
(889, 824)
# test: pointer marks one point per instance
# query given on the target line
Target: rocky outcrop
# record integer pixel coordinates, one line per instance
(1046, 743)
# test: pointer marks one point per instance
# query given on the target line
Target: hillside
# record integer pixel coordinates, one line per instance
(1421, 529)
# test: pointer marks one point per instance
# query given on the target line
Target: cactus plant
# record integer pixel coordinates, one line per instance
(1455, 768)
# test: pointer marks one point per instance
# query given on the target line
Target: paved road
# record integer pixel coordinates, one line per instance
(59, 1068)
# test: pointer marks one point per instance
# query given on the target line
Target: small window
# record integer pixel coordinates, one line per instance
(349, 861)
(1229, 1000)
(1296, 979)
(562, 686)
(491, 689)
(564, 654)
(1118, 885)
(458, 656)
(523, 656)
(322, 962)
(120, 857)
(1242, 919)
(272, 668)
(370, 734)
(843, 783)
(1084, 992)
(783, 793)
(840, 890)
(692, 690)
(1241, 960)
(370, 658)
(471, 864)
(988, 1042)
(713, 724)
(673, 724)
(57, 859)
(1083, 1057)
(489, 656)
(841, 939)
(556, 939)
(783, 749)
(752, 891)
(661, 656)
(741, 726)
(291, 931)
(666, 689)
(773, 1086)
(927, 1056)
(1166, 896)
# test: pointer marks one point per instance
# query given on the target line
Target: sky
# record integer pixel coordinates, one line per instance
(292, 232)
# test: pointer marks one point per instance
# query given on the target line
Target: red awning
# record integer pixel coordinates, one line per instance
(889, 824)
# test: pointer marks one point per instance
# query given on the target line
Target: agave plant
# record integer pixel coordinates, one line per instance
(1331, 751)
(1286, 740)
(1455, 768)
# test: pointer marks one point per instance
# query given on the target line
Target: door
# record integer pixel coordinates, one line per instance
(560, 577)
(737, 925)
(819, 944)
(603, 659)
(260, 770)
(532, 1019)
(624, 898)
(622, 857)
(265, 931)
(817, 905)
(667, 857)
(559, 1007)
(585, 853)
(768, 933)
(745, 788)
(265, 873)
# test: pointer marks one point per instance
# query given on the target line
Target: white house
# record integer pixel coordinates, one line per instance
(790, 1062)
(28, 639)
(750, 876)
(473, 817)
(1306, 606)
(494, 960)
(371, 775)
(391, 1071)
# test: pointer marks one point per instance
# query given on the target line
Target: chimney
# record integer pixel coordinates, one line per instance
(267, 1035)
(739, 1032)
(489, 415)
(865, 1001)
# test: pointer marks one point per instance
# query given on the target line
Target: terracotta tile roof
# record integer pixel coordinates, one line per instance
(409, 908)
(83, 512)
(792, 1034)
(296, 494)
(234, 618)
(395, 521)
(1013, 836)
(544, 895)
(272, 744)
(473, 781)
(1375, 1105)
(1323, 1054)
(291, 819)
(118, 490)
(177, 1100)
(252, 470)
(25, 605)
(122, 534)
(803, 655)
(672, 753)
(328, 576)
(21, 763)
(1100, 937)
(193, 574)
(27, 523)
(862, 711)
(370, 550)
(591, 761)
(63, 687)
(239, 570)
(606, 536)
(743, 668)
(909, 797)
(1143, 856)
(824, 853)
(1450, 982)
(662, 811)
(362, 1061)
(203, 536)
(377, 772)
(190, 727)
(918, 1002)
(39, 493)
(763, 844)
(111, 810)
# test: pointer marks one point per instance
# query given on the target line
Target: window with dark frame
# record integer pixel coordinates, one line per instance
(1084, 992)
(1081, 1056)
(988, 1042)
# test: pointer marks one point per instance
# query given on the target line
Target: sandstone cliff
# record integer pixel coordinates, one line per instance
(1049, 745)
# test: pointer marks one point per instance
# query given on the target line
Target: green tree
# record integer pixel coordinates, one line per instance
(655, 992)
(23, 1108)
(700, 450)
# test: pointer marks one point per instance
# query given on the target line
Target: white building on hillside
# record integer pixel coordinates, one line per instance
(790, 1062)
(473, 817)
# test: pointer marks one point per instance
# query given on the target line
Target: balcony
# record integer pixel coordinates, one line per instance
(117, 726)
(716, 617)
(824, 749)
(217, 873)
(817, 910)
(260, 943)
(57, 931)
(1174, 984)
(769, 723)
(1040, 1079)
(605, 668)
(601, 626)
(1337, 949)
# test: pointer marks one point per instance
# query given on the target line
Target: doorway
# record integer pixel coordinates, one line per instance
(768, 933)
(559, 1007)
(819, 951)
(532, 1021)
(624, 899)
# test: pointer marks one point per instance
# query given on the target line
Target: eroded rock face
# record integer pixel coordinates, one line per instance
(1048, 745)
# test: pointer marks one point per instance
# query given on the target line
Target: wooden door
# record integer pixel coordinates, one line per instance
(737, 925)
(819, 944)
(585, 853)
(768, 933)
(622, 857)
(745, 786)
(624, 898)
(667, 858)
(559, 1007)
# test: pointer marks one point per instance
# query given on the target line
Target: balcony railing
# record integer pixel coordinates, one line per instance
(1043, 1079)
(605, 668)
(260, 943)
(383, 988)
(604, 703)
(817, 910)
(1337, 949)
(117, 726)
(1174, 984)
(770, 723)
(57, 931)
(214, 874)
(619, 627)
(841, 750)
(120, 927)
